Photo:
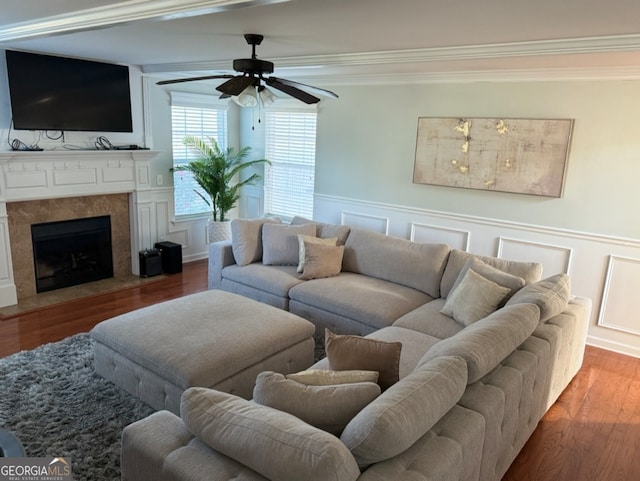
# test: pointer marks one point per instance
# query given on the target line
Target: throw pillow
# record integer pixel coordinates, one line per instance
(551, 295)
(246, 239)
(321, 261)
(325, 377)
(332, 241)
(325, 230)
(355, 352)
(473, 299)
(502, 278)
(329, 408)
(280, 243)
(529, 271)
(255, 435)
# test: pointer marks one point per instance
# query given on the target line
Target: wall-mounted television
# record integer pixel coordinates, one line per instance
(60, 93)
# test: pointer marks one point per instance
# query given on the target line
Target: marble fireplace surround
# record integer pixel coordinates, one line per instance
(57, 185)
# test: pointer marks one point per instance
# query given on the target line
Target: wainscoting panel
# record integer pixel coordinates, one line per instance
(251, 203)
(620, 299)
(585, 256)
(457, 239)
(554, 259)
(366, 221)
(190, 233)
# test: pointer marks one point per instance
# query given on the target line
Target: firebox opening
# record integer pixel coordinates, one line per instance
(71, 252)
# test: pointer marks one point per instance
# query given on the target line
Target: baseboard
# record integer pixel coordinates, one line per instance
(614, 346)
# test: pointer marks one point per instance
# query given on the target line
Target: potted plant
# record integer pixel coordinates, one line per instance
(216, 171)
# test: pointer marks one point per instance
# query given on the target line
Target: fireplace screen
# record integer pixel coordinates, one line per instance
(71, 252)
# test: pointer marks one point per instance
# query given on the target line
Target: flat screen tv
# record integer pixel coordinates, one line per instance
(60, 93)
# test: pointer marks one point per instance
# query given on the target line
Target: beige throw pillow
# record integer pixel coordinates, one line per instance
(329, 408)
(355, 352)
(321, 261)
(504, 279)
(280, 243)
(332, 241)
(326, 377)
(474, 298)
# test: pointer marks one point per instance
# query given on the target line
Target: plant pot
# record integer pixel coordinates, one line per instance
(218, 231)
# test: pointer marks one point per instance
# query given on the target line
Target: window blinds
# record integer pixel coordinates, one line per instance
(198, 115)
(290, 137)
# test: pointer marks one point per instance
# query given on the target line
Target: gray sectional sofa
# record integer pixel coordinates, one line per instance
(481, 361)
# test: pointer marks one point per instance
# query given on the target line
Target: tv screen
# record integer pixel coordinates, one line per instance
(59, 93)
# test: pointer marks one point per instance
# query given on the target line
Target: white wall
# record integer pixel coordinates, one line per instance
(364, 169)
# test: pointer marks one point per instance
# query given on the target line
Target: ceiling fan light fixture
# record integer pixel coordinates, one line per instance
(266, 97)
(247, 98)
(248, 88)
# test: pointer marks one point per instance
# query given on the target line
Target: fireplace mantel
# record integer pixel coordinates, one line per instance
(69, 173)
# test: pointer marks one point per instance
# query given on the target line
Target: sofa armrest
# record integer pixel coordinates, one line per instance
(220, 256)
(160, 448)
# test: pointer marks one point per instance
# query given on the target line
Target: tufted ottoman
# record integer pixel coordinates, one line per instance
(211, 339)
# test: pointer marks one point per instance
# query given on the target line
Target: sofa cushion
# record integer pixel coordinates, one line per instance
(428, 319)
(329, 407)
(321, 261)
(551, 295)
(474, 298)
(276, 280)
(280, 243)
(256, 435)
(325, 230)
(326, 377)
(355, 352)
(504, 279)
(331, 241)
(414, 345)
(529, 271)
(484, 344)
(368, 300)
(401, 261)
(246, 239)
(402, 414)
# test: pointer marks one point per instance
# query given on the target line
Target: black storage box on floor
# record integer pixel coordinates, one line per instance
(171, 256)
(150, 263)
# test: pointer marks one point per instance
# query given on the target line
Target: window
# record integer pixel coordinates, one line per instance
(202, 116)
(290, 138)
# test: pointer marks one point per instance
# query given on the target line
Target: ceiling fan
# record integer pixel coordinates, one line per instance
(252, 82)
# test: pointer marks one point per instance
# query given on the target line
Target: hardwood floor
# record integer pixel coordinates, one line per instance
(592, 433)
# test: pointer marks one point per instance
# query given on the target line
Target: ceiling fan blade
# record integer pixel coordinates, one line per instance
(193, 79)
(236, 85)
(291, 90)
(316, 90)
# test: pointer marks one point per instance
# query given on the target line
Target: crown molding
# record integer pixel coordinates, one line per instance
(506, 75)
(119, 14)
(615, 43)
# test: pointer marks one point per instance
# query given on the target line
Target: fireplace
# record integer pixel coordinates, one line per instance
(58, 185)
(71, 252)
